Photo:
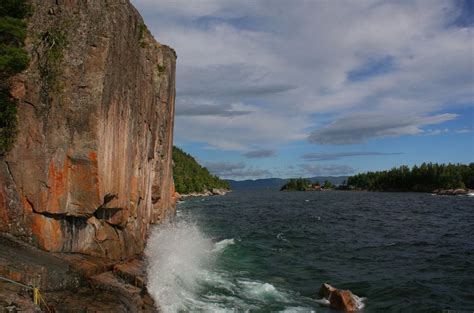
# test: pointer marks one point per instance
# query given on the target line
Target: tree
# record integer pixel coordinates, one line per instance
(190, 177)
(296, 184)
(427, 177)
(328, 185)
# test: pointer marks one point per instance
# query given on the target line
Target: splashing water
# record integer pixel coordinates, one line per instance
(221, 245)
(177, 254)
(259, 271)
(182, 274)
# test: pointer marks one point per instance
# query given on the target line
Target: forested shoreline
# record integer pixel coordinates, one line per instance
(427, 177)
(190, 177)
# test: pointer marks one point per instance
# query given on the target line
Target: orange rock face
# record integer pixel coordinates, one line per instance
(91, 166)
(338, 299)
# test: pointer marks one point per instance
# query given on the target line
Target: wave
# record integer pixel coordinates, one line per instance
(281, 236)
(261, 291)
(221, 245)
(176, 254)
(183, 276)
(298, 309)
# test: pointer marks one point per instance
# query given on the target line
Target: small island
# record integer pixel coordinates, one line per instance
(304, 184)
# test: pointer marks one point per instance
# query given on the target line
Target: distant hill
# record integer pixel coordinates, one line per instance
(189, 176)
(277, 183)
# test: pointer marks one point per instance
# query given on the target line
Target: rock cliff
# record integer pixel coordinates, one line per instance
(91, 166)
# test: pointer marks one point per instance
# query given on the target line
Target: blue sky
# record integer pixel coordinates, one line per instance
(273, 88)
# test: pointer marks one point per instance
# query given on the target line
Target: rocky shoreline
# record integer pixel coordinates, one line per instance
(452, 192)
(439, 192)
(70, 282)
(206, 193)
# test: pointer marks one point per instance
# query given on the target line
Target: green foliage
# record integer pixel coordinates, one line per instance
(328, 185)
(12, 30)
(425, 178)
(8, 109)
(15, 8)
(142, 29)
(161, 68)
(52, 43)
(13, 60)
(296, 184)
(189, 176)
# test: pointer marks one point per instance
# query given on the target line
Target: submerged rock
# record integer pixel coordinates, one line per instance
(339, 299)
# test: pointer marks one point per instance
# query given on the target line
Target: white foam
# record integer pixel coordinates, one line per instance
(360, 302)
(176, 255)
(181, 266)
(221, 245)
(281, 237)
(298, 309)
(323, 301)
(261, 291)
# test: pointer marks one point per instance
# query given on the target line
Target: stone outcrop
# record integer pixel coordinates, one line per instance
(338, 299)
(451, 192)
(70, 282)
(91, 166)
(205, 193)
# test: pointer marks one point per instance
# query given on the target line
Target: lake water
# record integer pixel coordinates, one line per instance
(270, 251)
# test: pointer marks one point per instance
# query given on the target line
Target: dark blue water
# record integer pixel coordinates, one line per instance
(404, 252)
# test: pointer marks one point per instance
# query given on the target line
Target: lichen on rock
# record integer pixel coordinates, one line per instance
(91, 166)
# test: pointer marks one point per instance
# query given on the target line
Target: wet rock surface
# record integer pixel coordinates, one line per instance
(339, 299)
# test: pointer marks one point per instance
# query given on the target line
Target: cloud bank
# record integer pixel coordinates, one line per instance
(270, 72)
(255, 154)
(321, 156)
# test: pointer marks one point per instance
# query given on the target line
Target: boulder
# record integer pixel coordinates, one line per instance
(339, 299)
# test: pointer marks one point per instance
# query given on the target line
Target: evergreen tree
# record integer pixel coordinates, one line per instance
(190, 177)
(425, 178)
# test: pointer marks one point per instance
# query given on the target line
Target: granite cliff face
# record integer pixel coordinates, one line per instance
(91, 167)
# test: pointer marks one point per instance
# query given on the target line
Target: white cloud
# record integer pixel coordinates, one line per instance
(236, 170)
(360, 127)
(324, 156)
(325, 169)
(285, 64)
(258, 154)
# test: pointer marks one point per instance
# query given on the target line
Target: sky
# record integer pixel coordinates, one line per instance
(273, 88)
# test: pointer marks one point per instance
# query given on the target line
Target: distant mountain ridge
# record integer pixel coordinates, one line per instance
(276, 183)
